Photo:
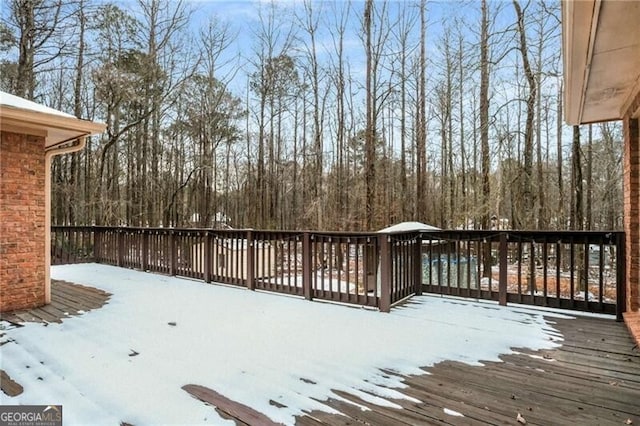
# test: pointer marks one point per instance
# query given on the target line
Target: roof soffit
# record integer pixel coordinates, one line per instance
(601, 42)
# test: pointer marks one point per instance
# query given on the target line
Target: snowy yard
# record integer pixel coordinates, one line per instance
(128, 360)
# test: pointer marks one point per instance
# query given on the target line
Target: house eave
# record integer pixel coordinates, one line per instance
(601, 49)
(54, 128)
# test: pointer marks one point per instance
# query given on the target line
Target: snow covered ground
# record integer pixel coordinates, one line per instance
(126, 362)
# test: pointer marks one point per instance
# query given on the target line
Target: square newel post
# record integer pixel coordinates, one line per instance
(206, 258)
(97, 241)
(120, 257)
(144, 263)
(173, 253)
(306, 266)
(417, 260)
(384, 303)
(251, 284)
(502, 279)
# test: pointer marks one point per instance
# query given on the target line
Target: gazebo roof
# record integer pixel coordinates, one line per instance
(601, 47)
(20, 115)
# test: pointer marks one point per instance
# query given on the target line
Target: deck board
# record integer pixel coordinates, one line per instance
(8, 385)
(67, 299)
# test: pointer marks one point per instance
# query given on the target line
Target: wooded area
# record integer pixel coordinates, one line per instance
(314, 115)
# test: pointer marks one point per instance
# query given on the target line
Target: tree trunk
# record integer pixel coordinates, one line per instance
(370, 153)
(577, 218)
(527, 193)
(484, 133)
(421, 122)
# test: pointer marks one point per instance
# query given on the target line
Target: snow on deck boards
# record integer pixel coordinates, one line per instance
(67, 299)
(594, 378)
(8, 385)
(230, 408)
(296, 362)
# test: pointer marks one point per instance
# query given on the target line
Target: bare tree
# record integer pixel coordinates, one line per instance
(484, 131)
(577, 212)
(36, 22)
(405, 26)
(589, 181)
(527, 192)
(421, 120)
(274, 38)
(484, 114)
(339, 80)
(560, 213)
(309, 24)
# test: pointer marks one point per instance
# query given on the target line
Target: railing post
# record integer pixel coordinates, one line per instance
(120, 237)
(417, 259)
(384, 303)
(502, 280)
(306, 266)
(97, 237)
(144, 258)
(206, 258)
(67, 240)
(621, 277)
(251, 283)
(54, 245)
(173, 253)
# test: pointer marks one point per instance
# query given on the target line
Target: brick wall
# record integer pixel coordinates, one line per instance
(632, 209)
(22, 221)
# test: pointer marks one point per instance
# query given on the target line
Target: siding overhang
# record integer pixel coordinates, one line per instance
(601, 49)
(19, 115)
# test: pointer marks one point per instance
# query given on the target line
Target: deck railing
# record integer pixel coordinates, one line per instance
(569, 270)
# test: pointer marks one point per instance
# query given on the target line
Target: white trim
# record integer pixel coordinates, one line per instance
(19, 115)
(587, 68)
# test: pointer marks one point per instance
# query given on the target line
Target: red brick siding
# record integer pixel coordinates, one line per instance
(632, 209)
(22, 221)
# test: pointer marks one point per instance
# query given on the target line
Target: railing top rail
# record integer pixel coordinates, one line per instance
(517, 235)
(512, 235)
(215, 230)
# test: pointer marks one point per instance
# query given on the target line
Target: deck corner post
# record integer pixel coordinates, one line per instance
(502, 280)
(251, 283)
(417, 259)
(384, 303)
(306, 266)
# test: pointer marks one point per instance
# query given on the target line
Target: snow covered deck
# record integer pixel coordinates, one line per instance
(162, 345)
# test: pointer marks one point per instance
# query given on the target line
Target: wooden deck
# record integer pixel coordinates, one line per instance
(593, 379)
(67, 300)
